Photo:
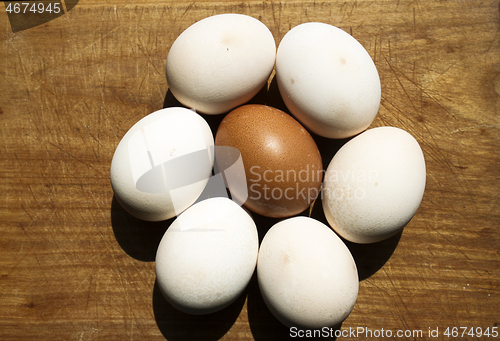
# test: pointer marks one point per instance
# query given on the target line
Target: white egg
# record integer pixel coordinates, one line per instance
(207, 256)
(162, 164)
(374, 185)
(306, 274)
(220, 62)
(327, 80)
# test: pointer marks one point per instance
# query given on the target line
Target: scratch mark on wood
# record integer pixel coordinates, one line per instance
(474, 127)
(459, 249)
(446, 70)
(277, 18)
(148, 56)
(427, 93)
(353, 7)
(90, 133)
(495, 38)
(399, 82)
(25, 211)
(188, 9)
(76, 158)
(32, 194)
(99, 116)
(73, 294)
(88, 292)
(414, 19)
(390, 54)
(431, 146)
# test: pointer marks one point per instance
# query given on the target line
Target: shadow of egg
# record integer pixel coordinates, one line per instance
(263, 324)
(370, 258)
(177, 325)
(138, 238)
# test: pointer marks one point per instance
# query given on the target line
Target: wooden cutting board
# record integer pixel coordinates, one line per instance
(75, 266)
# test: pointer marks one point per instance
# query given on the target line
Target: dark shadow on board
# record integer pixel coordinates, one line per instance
(138, 238)
(263, 325)
(370, 258)
(176, 325)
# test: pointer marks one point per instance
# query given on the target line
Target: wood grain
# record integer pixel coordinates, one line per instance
(75, 266)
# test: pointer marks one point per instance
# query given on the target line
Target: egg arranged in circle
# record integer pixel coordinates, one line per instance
(220, 62)
(374, 185)
(327, 80)
(307, 275)
(282, 163)
(162, 164)
(207, 257)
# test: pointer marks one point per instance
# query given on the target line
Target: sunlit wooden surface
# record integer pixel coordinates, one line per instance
(75, 266)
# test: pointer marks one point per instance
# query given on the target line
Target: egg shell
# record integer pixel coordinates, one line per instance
(162, 164)
(306, 274)
(327, 80)
(282, 163)
(374, 185)
(207, 256)
(220, 62)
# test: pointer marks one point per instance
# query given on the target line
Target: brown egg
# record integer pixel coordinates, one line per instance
(282, 163)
